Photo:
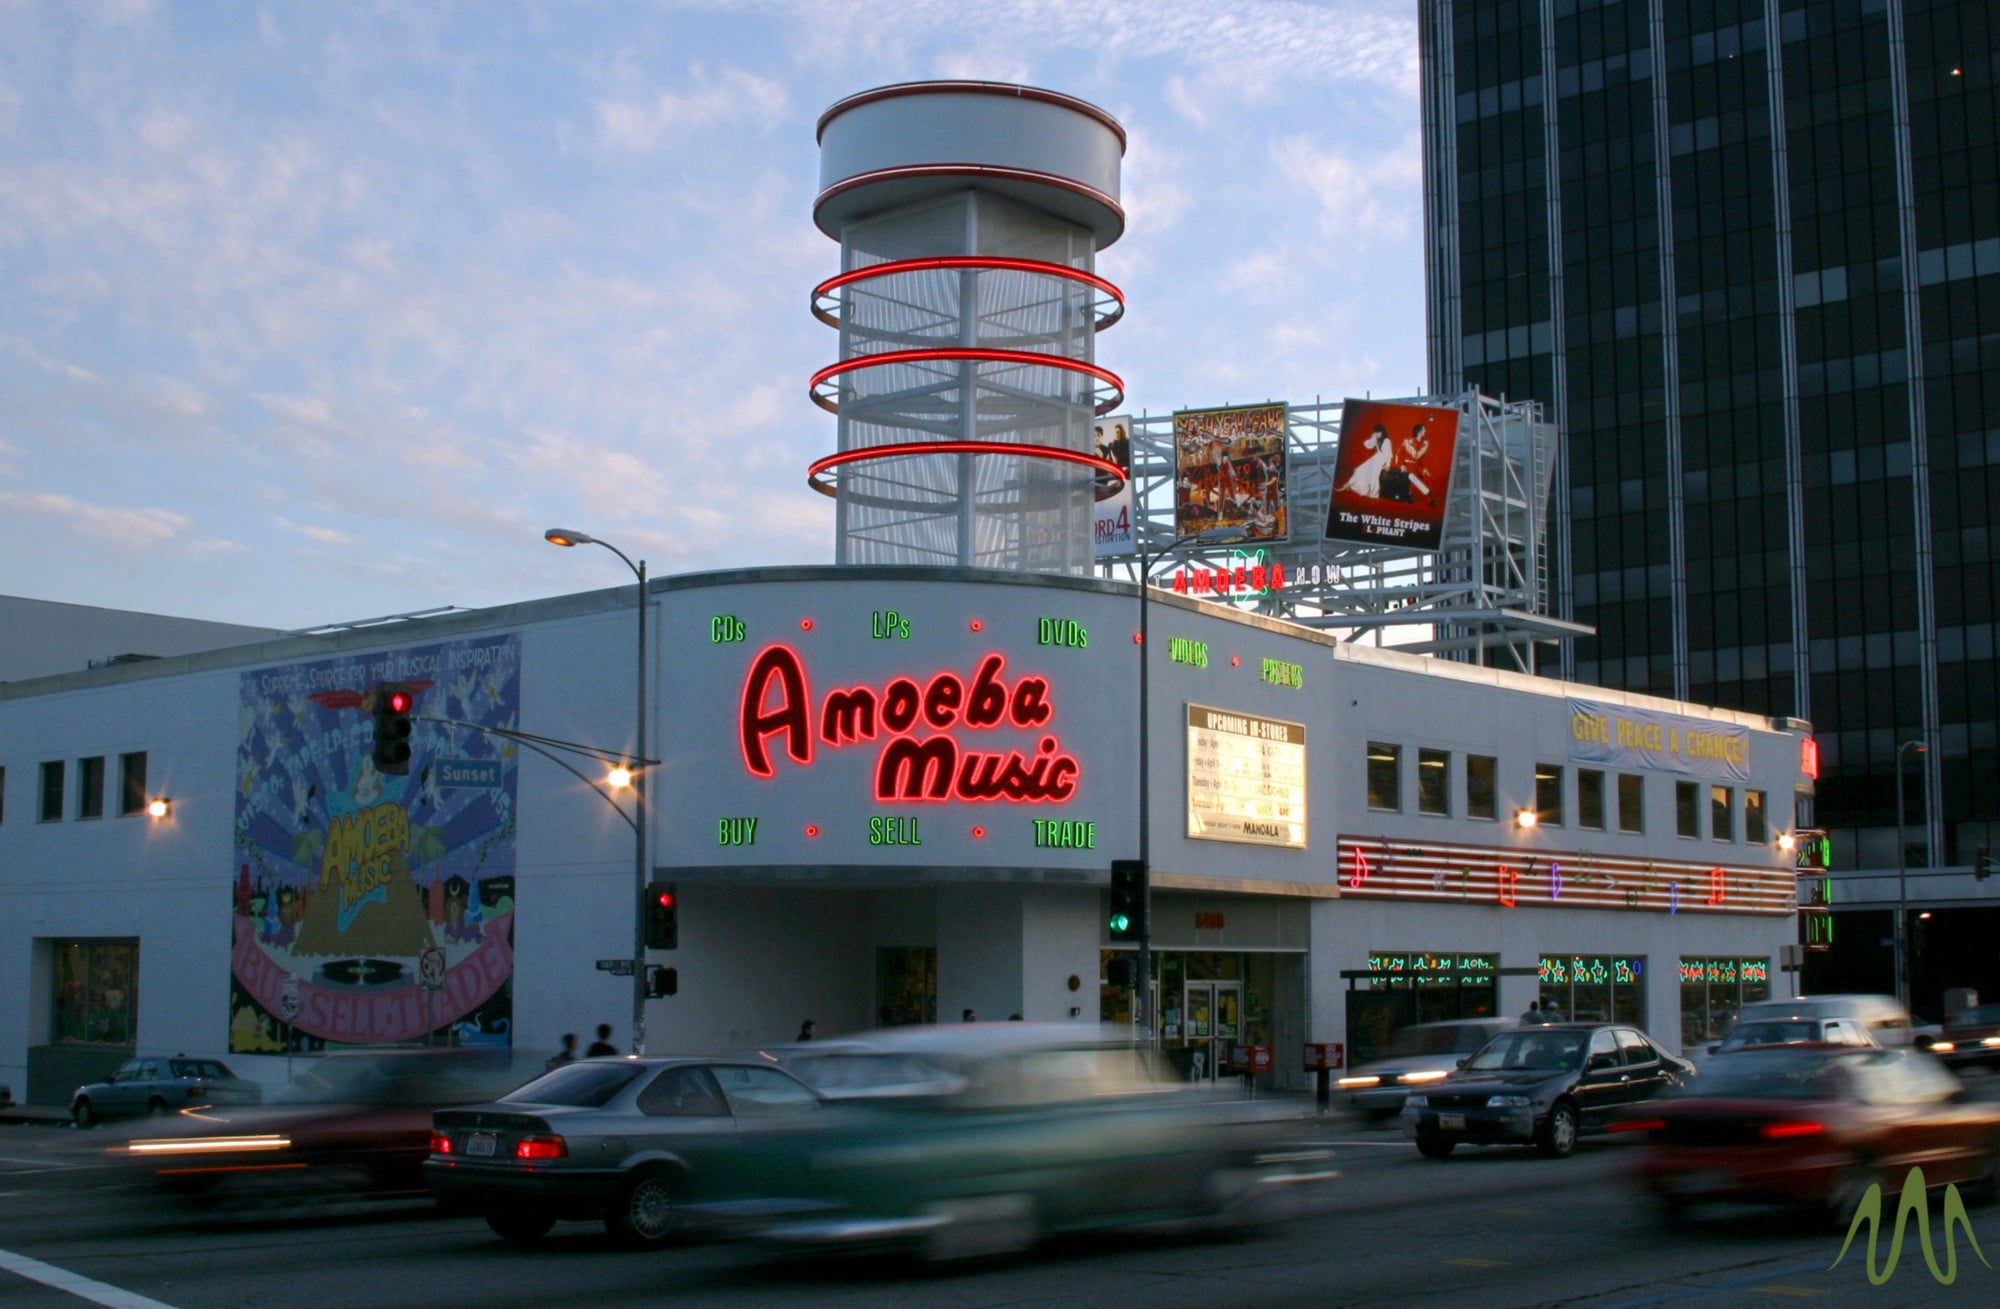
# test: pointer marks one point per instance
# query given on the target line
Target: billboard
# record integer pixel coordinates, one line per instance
(1392, 477)
(372, 909)
(1229, 471)
(1111, 525)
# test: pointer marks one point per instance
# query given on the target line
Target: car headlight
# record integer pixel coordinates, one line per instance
(1942, 1047)
(1416, 1102)
(1507, 1102)
(1350, 1083)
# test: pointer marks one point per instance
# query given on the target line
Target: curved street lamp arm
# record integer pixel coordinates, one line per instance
(536, 744)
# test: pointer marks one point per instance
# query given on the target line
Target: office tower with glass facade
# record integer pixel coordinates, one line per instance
(1748, 254)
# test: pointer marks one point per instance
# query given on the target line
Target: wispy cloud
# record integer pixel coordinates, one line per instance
(641, 123)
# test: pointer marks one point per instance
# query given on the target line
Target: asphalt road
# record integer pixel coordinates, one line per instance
(1489, 1227)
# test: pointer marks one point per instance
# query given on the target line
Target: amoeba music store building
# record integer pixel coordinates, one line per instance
(885, 795)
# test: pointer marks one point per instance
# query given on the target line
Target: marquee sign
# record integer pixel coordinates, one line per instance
(1246, 778)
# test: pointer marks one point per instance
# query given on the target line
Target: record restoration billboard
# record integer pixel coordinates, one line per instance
(1229, 471)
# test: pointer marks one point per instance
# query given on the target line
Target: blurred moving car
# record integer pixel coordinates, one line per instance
(352, 1116)
(1052, 1127)
(630, 1142)
(1883, 1015)
(1796, 1030)
(1416, 1056)
(1546, 1085)
(160, 1084)
(1970, 1038)
(1813, 1126)
(858, 1070)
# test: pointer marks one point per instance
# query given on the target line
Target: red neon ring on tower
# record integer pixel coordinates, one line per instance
(822, 304)
(967, 354)
(906, 448)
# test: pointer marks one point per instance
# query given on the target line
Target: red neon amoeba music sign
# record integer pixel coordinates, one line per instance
(777, 702)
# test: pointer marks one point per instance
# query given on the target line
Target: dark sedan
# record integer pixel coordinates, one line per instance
(1814, 1126)
(1541, 1085)
(630, 1142)
(353, 1117)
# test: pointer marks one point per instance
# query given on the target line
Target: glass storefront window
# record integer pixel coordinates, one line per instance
(1594, 988)
(1713, 990)
(1417, 986)
(97, 992)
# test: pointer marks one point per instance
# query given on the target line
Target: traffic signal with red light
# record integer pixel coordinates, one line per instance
(663, 917)
(393, 703)
(1127, 919)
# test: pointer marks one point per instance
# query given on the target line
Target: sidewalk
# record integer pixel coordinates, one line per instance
(36, 1115)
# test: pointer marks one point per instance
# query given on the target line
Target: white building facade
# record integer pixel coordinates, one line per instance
(883, 795)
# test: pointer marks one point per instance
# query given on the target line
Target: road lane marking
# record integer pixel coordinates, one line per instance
(36, 1163)
(75, 1283)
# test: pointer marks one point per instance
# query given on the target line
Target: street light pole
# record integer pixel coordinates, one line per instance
(1903, 881)
(565, 537)
(1213, 536)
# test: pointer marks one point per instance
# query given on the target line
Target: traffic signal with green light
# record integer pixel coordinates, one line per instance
(393, 703)
(663, 917)
(1127, 919)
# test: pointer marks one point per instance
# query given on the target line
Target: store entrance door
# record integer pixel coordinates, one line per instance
(1212, 1021)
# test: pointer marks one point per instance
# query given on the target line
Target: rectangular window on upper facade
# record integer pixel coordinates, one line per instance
(1687, 809)
(1722, 813)
(1755, 830)
(1631, 802)
(132, 783)
(1590, 799)
(1482, 797)
(52, 791)
(1549, 795)
(1385, 766)
(90, 787)
(1434, 782)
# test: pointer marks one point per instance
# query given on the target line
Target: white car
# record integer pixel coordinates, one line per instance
(1416, 1056)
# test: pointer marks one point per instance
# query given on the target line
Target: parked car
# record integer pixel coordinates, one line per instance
(1814, 1126)
(1053, 1127)
(1970, 1038)
(347, 1118)
(1543, 1085)
(629, 1142)
(1416, 1056)
(160, 1084)
(1795, 1030)
(1884, 1017)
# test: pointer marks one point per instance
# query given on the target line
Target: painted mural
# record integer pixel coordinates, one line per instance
(373, 908)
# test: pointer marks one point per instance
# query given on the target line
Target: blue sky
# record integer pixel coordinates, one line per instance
(315, 312)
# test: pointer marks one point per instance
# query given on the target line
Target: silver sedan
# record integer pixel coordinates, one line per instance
(630, 1142)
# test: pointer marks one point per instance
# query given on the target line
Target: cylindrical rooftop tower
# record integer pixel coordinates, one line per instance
(969, 216)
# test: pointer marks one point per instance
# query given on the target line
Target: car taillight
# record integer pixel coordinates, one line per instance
(1787, 1131)
(1639, 1125)
(541, 1147)
(440, 1143)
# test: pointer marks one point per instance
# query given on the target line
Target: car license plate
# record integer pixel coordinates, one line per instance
(1451, 1122)
(481, 1143)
